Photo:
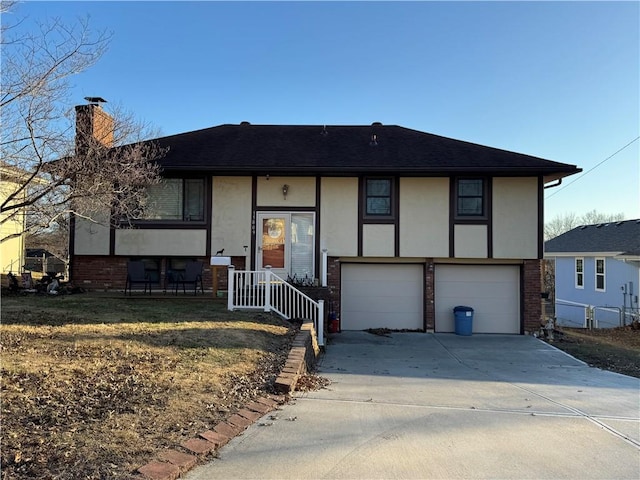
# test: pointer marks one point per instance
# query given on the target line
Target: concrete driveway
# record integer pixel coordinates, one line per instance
(417, 406)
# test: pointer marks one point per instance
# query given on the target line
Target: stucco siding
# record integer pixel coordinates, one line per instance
(424, 217)
(378, 240)
(515, 217)
(339, 216)
(92, 238)
(470, 241)
(231, 217)
(139, 242)
(301, 192)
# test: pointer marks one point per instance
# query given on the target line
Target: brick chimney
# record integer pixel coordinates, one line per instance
(94, 126)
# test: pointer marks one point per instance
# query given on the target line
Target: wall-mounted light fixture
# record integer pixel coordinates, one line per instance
(285, 190)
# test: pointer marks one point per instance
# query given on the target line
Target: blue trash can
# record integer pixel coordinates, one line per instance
(464, 320)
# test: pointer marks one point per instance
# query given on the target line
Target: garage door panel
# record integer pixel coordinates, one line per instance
(383, 320)
(405, 289)
(493, 291)
(382, 296)
(367, 303)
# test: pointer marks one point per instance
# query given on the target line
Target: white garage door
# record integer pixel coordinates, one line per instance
(382, 296)
(493, 291)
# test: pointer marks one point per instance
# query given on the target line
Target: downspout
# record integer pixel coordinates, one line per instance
(559, 182)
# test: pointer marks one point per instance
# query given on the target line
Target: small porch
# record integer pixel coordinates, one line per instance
(264, 290)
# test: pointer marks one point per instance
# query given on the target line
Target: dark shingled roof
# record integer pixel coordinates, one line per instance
(343, 150)
(623, 237)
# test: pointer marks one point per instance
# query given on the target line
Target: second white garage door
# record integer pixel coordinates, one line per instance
(382, 296)
(493, 291)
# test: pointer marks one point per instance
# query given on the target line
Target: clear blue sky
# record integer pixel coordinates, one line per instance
(554, 80)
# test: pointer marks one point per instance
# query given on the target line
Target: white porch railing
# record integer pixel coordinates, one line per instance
(266, 291)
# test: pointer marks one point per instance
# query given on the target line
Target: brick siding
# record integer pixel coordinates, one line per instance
(429, 295)
(108, 273)
(333, 284)
(532, 286)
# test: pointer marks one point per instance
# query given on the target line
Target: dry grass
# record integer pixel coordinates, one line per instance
(614, 349)
(93, 387)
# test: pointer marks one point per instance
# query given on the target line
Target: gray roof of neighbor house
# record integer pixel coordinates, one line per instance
(343, 150)
(622, 237)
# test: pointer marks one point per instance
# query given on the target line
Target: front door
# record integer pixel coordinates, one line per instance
(286, 242)
(272, 243)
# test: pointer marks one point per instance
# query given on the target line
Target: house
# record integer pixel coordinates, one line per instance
(597, 274)
(403, 224)
(12, 222)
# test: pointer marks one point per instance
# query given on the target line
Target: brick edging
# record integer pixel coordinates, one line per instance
(171, 463)
(302, 358)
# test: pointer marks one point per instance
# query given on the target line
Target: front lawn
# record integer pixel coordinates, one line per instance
(94, 386)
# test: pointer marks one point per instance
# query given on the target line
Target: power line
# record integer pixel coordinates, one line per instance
(593, 168)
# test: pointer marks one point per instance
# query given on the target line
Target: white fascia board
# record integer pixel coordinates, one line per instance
(581, 254)
(628, 258)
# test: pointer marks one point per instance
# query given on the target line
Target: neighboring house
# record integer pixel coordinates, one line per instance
(597, 273)
(12, 223)
(410, 224)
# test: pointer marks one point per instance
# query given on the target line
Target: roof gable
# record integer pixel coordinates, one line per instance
(343, 150)
(622, 237)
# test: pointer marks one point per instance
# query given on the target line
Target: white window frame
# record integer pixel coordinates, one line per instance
(577, 273)
(603, 274)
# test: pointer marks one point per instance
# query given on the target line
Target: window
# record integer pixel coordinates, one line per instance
(579, 272)
(176, 199)
(600, 274)
(378, 197)
(470, 199)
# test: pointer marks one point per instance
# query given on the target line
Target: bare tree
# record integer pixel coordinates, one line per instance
(563, 223)
(593, 217)
(58, 170)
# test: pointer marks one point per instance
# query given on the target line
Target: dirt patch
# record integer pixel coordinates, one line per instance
(310, 382)
(613, 349)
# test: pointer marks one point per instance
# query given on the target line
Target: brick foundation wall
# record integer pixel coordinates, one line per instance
(429, 295)
(107, 273)
(531, 288)
(99, 273)
(333, 285)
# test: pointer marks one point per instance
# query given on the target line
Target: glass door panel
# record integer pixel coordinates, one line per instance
(272, 243)
(302, 247)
